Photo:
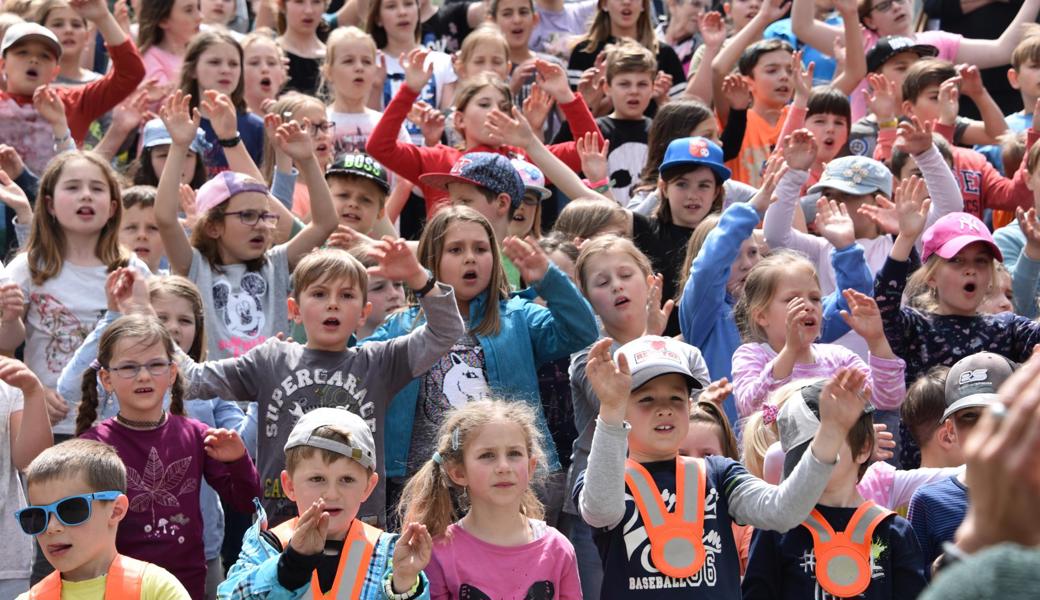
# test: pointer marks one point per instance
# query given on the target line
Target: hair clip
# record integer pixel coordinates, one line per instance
(455, 439)
(437, 458)
(769, 413)
(94, 364)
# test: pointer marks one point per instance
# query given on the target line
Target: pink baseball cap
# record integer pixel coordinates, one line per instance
(953, 232)
(221, 188)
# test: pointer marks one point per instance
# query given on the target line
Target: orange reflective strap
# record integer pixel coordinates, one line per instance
(353, 560)
(676, 538)
(843, 558)
(123, 582)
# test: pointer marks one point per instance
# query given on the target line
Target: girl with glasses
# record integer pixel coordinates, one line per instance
(167, 455)
(293, 106)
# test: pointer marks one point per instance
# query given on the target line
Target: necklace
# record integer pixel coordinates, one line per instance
(141, 424)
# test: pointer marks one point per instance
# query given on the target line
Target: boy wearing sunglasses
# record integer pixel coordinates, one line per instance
(77, 497)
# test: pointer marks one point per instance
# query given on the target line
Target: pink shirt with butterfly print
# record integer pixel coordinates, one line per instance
(464, 567)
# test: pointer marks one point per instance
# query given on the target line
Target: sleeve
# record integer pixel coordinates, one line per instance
(283, 185)
(1025, 274)
(704, 294)
(777, 225)
(942, 185)
(732, 136)
(753, 378)
(886, 138)
(795, 120)
(71, 379)
(601, 501)
(1025, 334)
(228, 415)
(905, 483)
(775, 508)
(236, 482)
(159, 584)
(230, 378)
(919, 521)
(876, 484)
(443, 327)
(254, 576)
(581, 121)
(98, 97)
(887, 381)
(850, 271)
(29, 182)
(566, 324)
(901, 324)
(1001, 193)
(908, 566)
(668, 61)
(383, 145)
(1012, 242)
(764, 571)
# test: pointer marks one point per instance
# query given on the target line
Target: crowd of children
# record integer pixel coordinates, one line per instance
(507, 298)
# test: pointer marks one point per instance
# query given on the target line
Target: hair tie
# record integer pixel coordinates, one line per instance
(455, 439)
(769, 413)
(437, 458)
(94, 364)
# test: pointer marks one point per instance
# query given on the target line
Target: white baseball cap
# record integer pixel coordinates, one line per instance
(652, 356)
(361, 448)
(20, 31)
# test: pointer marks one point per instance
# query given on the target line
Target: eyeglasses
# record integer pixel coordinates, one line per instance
(156, 369)
(71, 511)
(250, 218)
(886, 5)
(324, 127)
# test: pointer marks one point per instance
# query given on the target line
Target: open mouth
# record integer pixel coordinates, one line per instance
(331, 322)
(519, 218)
(333, 511)
(321, 148)
(224, 82)
(626, 13)
(469, 276)
(403, 24)
(692, 207)
(32, 73)
(809, 322)
(783, 90)
(621, 301)
(664, 428)
(257, 240)
(265, 83)
(86, 211)
(144, 390)
(359, 81)
(142, 251)
(970, 288)
(68, 42)
(517, 32)
(350, 217)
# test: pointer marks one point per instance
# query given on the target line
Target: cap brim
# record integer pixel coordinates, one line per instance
(36, 36)
(921, 50)
(440, 181)
(166, 141)
(542, 193)
(955, 245)
(971, 401)
(646, 374)
(383, 185)
(843, 186)
(722, 172)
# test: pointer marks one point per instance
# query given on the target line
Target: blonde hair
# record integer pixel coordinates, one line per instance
(757, 435)
(431, 248)
(431, 497)
(599, 31)
(602, 245)
(487, 32)
(693, 249)
(329, 264)
(760, 286)
(586, 219)
(287, 103)
(46, 245)
(339, 36)
(919, 294)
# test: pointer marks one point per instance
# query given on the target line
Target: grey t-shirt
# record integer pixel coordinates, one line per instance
(287, 380)
(243, 308)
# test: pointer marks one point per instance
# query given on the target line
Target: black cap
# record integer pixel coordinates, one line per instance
(890, 45)
(361, 165)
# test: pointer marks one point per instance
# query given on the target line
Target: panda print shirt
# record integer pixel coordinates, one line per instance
(243, 308)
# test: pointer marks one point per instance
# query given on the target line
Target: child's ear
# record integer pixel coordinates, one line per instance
(456, 119)
(49, 203)
(214, 229)
(456, 473)
(364, 313)
(503, 202)
(373, 479)
(908, 108)
(106, 379)
(946, 436)
(119, 507)
(287, 486)
(294, 310)
(1012, 77)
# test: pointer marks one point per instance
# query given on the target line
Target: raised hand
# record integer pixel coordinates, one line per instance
(127, 292)
(224, 445)
(121, 11)
(913, 137)
(51, 108)
(1031, 228)
(590, 85)
(91, 10)
(346, 238)
(776, 167)
(188, 206)
(843, 400)
(430, 121)
(716, 392)
(884, 443)
(13, 197)
(881, 97)
(527, 256)
(799, 149)
(553, 79)
(537, 106)
(970, 81)
(593, 155)
(10, 161)
(132, 112)
(220, 111)
(865, 316)
(417, 72)
(611, 382)
(912, 207)
(14, 373)
(311, 530)
(773, 10)
(737, 92)
(802, 79)
(397, 262)
(657, 313)
(882, 213)
(799, 335)
(949, 101)
(662, 85)
(182, 123)
(294, 139)
(512, 130)
(521, 75)
(713, 30)
(411, 555)
(834, 224)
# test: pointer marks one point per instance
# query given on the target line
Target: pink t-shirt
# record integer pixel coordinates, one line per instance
(463, 566)
(949, 44)
(162, 65)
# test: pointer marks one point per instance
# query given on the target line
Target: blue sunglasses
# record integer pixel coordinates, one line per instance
(71, 511)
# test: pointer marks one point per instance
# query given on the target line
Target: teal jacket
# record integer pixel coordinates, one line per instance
(529, 336)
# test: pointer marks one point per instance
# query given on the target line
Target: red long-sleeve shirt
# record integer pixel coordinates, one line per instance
(411, 161)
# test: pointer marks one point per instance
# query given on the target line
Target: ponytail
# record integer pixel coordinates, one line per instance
(89, 401)
(430, 498)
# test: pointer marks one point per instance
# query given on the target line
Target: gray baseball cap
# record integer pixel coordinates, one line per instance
(974, 381)
(361, 448)
(855, 175)
(798, 422)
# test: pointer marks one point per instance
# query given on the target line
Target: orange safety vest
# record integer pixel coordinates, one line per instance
(353, 560)
(843, 558)
(676, 538)
(123, 581)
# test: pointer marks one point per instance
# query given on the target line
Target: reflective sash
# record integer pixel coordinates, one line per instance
(123, 581)
(353, 560)
(676, 538)
(843, 558)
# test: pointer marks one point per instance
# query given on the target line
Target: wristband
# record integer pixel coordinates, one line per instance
(426, 289)
(888, 123)
(230, 142)
(61, 143)
(388, 588)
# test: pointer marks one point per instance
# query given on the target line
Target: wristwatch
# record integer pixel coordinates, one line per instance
(230, 142)
(426, 289)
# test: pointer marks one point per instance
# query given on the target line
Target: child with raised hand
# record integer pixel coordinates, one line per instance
(329, 299)
(135, 364)
(1025, 272)
(227, 256)
(780, 317)
(471, 108)
(330, 470)
(777, 567)
(87, 481)
(957, 270)
(644, 410)
(31, 56)
(23, 419)
(294, 106)
(486, 458)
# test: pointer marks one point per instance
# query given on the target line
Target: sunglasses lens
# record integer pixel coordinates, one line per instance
(73, 511)
(33, 520)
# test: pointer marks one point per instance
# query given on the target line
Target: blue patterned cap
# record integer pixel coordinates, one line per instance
(488, 170)
(855, 175)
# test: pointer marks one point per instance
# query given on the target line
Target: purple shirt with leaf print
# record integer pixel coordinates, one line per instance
(164, 467)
